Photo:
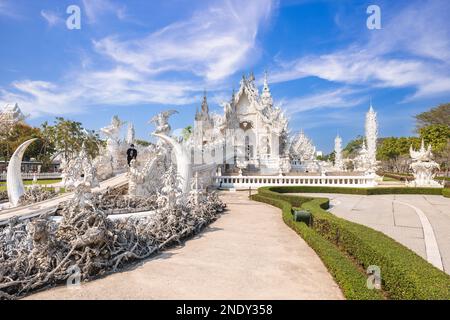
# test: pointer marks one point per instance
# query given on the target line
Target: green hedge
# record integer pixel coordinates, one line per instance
(446, 192)
(360, 191)
(348, 276)
(405, 275)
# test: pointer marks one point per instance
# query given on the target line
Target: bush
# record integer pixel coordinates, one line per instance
(405, 274)
(446, 192)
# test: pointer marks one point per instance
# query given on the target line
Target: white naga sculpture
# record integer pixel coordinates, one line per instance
(161, 121)
(14, 183)
(338, 161)
(423, 166)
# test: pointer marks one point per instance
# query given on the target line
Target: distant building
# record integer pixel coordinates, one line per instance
(10, 115)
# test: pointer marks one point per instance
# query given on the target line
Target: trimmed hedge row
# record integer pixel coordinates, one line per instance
(446, 192)
(359, 191)
(405, 275)
(350, 279)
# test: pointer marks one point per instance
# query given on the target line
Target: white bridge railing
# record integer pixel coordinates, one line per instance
(254, 182)
(39, 176)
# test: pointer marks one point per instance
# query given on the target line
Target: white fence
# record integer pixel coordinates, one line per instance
(40, 176)
(254, 182)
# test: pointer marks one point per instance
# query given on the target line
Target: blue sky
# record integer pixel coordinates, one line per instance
(135, 58)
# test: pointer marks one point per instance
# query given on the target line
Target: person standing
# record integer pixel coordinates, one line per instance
(131, 154)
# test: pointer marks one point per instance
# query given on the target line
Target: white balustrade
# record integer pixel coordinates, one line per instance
(254, 182)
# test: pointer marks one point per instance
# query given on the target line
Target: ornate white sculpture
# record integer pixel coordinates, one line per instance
(131, 133)
(302, 148)
(423, 166)
(182, 156)
(80, 169)
(367, 159)
(14, 183)
(161, 122)
(338, 161)
(115, 149)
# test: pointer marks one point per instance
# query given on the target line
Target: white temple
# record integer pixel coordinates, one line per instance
(10, 115)
(251, 136)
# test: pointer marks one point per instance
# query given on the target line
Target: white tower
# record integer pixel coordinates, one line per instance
(338, 162)
(130, 134)
(371, 138)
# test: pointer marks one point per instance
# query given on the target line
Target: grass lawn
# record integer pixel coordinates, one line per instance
(389, 179)
(28, 182)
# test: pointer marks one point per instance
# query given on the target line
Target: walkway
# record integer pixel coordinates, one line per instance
(419, 222)
(249, 253)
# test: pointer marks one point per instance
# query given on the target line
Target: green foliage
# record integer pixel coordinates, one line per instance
(439, 115)
(405, 275)
(17, 135)
(187, 133)
(438, 135)
(446, 192)
(348, 276)
(142, 143)
(393, 147)
(68, 137)
(352, 148)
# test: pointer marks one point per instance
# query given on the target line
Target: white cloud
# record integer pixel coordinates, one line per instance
(412, 50)
(214, 43)
(7, 10)
(95, 9)
(330, 99)
(51, 17)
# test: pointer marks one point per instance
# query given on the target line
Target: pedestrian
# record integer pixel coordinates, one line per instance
(131, 154)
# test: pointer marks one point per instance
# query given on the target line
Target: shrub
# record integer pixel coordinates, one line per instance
(405, 274)
(446, 192)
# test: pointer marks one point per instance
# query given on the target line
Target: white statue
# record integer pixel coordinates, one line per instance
(161, 122)
(423, 166)
(114, 147)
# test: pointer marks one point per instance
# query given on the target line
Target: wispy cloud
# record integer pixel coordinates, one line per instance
(329, 99)
(412, 50)
(7, 10)
(51, 17)
(214, 43)
(94, 10)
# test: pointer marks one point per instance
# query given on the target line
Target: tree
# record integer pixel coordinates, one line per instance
(352, 148)
(393, 152)
(437, 135)
(439, 115)
(187, 133)
(18, 134)
(68, 137)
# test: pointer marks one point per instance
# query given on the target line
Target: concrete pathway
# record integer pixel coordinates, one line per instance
(420, 222)
(249, 253)
(41, 207)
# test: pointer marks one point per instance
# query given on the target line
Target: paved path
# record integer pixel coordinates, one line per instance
(41, 207)
(420, 222)
(249, 253)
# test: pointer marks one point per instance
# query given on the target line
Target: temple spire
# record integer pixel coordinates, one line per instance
(266, 96)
